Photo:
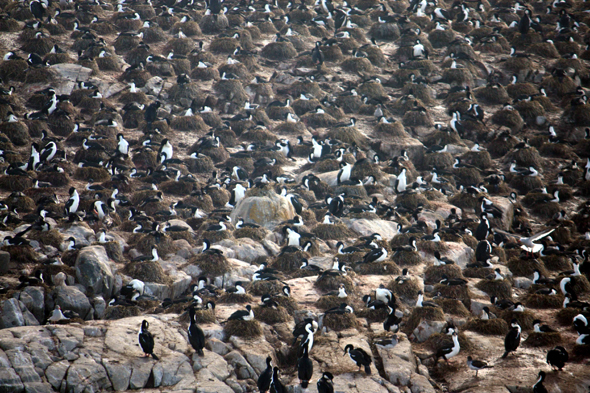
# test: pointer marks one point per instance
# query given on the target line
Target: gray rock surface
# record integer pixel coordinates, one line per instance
(93, 271)
(71, 298)
(265, 210)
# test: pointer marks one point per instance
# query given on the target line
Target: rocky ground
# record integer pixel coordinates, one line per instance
(97, 350)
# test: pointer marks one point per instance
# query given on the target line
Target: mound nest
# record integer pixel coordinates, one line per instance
(477, 272)
(257, 234)
(489, 327)
(433, 274)
(581, 352)
(526, 267)
(565, 316)
(287, 303)
(407, 258)
(332, 283)
(339, 322)
(291, 261)
(236, 298)
(439, 340)
(325, 303)
(21, 254)
(332, 232)
(526, 157)
(213, 265)
(430, 247)
(120, 312)
(408, 290)
(525, 319)
(350, 135)
(15, 183)
(378, 268)
(423, 313)
(271, 315)
(279, 51)
(580, 284)
(453, 307)
(556, 263)
(52, 237)
(411, 201)
(378, 315)
(535, 340)
(164, 244)
(205, 316)
(501, 289)
(259, 288)
(147, 271)
(459, 292)
(244, 329)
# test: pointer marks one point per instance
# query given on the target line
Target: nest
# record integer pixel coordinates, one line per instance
(477, 272)
(332, 283)
(271, 315)
(525, 318)
(21, 254)
(407, 290)
(357, 64)
(464, 200)
(120, 312)
(13, 70)
(492, 95)
(325, 303)
(147, 271)
(556, 263)
(384, 31)
(411, 201)
(244, 329)
(535, 340)
(453, 307)
(489, 327)
(525, 184)
(212, 265)
(407, 258)
(581, 351)
(501, 289)
(467, 176)
(565, 316)
(430, 247)
(580, 284)
(279, 51)
(459, 292)
(332, 232)
(508, 118)
(205, 316)
(97, 174)
(259, 288)
(378, 268)
(164, 244)
(433, 274)
(340, 322)
(439, 340)
(423, 313)
(289, 262)
(526, 267)
(229, 297)
(257, 234)
(350, 135)
(51, 237)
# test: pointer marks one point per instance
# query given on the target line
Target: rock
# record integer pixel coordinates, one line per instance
(398, 370)
(420, 384)
(34, 299)
(99, 307)
(426, 329)
(4, 262)
(242, 368)
(458, 252)
(71, 298)
(213, 362)
(365, 227)
(81, 232)
(56, 373)
(507, 208)
(10, 381)
(23, 365)
(394, 146)
(38, 387)
(217, 346)
(523, 282)
(178, 287)
(93, 271)
(72, 72)
(207, 383)
(268, 209)
(85, 374)
(255, 351)
(170, 370)
(14, 313)
(140, 374)
(157, 86)
(357, 383)
(330, 178)
(244, 249)
(119, 374)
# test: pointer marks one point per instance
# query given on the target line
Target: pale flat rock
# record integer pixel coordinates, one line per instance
(73, 72)
(244, 249)
(213, 362)
(207, 383)
(366, 227)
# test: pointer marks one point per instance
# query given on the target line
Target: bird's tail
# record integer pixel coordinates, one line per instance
(368, 369)
(304, 384)
(200, 352)
(154, 356)
(505, 354)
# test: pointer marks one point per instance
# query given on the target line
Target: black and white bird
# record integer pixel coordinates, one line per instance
(477, 365)
(375, 255)
(325, 384)
(304, 369)
(449, 351)
(196, 337)
(538, 387)
(242, 315)
(538, 328)
(360, 357)
(512, 339)
(146, 340)
(265, 377)
(557, 357)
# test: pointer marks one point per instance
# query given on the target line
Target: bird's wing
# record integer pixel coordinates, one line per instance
(540, 235)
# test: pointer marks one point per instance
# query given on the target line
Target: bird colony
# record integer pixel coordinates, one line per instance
(292, 196)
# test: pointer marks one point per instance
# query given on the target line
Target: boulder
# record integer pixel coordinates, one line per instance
(366, 227)
(420, 384)
(172, 369)
(72, 72)
(34, 299)
(93, 271)
(14, 313)
(267, 209)
(119, 374)
(4, 262)
(81, 232)
(426, 329)
(207, 383)
(244, 249)
(87, 375)
(10, 381)
(213, 362)
(71, 298)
